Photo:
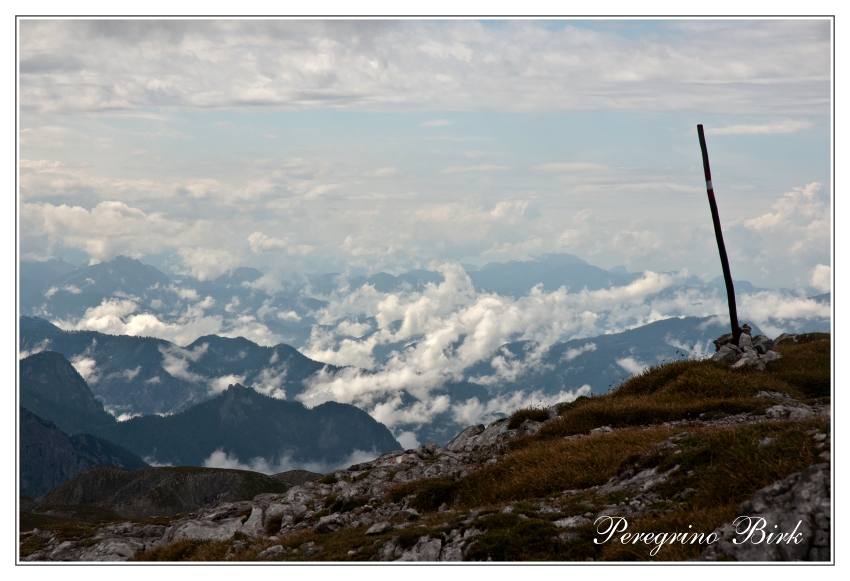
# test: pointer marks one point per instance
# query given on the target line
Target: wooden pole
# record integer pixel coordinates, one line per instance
(718, 233)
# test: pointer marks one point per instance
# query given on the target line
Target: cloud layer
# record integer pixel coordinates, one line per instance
(448, 65)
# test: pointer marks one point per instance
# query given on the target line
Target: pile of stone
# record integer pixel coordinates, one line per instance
(750, 351)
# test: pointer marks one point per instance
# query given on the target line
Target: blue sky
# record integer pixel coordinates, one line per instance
(365, 146)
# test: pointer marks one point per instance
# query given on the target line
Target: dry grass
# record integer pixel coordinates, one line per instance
(535, 414)
(689, 389)
(186, 550)
(552, 466)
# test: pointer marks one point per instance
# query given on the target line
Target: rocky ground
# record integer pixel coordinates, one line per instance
(368, 511)
(359, 492)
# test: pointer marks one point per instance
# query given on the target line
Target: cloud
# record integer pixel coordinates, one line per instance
(474, 168)
(571, 354)
(86, 365)
(221, 459)
(220, 384)
(436, 123)
(120, 317)
(382, 172)
(37, 348)
(762, 129)
(175, 362)
(472, 411)
(270, 380)
(767, 66)
(408, 440)
(822, 278)
(632, 365)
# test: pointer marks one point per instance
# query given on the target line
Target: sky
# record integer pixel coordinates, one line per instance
(363, 146)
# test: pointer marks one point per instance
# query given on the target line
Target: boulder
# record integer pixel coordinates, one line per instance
(460, 441)
(380, 528)
(425, 549)
(328, 524)
(798, 505)
(762, 344)
(271, 552)
(792, 337)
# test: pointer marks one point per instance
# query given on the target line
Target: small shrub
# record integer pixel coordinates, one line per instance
(329, 479)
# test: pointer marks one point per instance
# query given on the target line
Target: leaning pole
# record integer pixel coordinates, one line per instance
(718, 233)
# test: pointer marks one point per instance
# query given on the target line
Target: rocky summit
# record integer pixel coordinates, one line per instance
(752, 351)
(684, 448)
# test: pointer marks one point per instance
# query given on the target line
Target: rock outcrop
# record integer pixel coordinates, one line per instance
(751, 351)
(797, 506)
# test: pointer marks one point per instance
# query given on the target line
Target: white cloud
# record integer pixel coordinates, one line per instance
(761, 129)
(571, 354)
(473, 411)
(119, 317)
(109, 229)
(408, 440)
(221, 459)
(822, 278)
(260, 242)
(382, 172)
(185, 293)
(86, 365)
(763, 66)
(37, 348)
(220, 384)
(288, 316)
(632, 365)
(474, 168)
(175, 361)
(270, 381)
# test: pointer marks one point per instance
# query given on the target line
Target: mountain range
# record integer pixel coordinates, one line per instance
(241, 423)
(144, 375)
(64, 431)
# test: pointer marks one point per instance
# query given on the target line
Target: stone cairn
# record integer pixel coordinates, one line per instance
(752, 351)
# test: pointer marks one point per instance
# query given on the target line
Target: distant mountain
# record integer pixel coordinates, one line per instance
(824, 298)
(245, 424)
(157, 491)
(414, 280)
(297, 477)
(143, 375)
(35, 277)
(48, 456)
(51, 388)
(604, 360)
(517, 278)
(125, 372)
(119, 275)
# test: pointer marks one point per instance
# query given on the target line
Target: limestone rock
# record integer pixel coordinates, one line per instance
(425, 549)
(271, 552)
(798, 505)
(460, 441)
(379, 528)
